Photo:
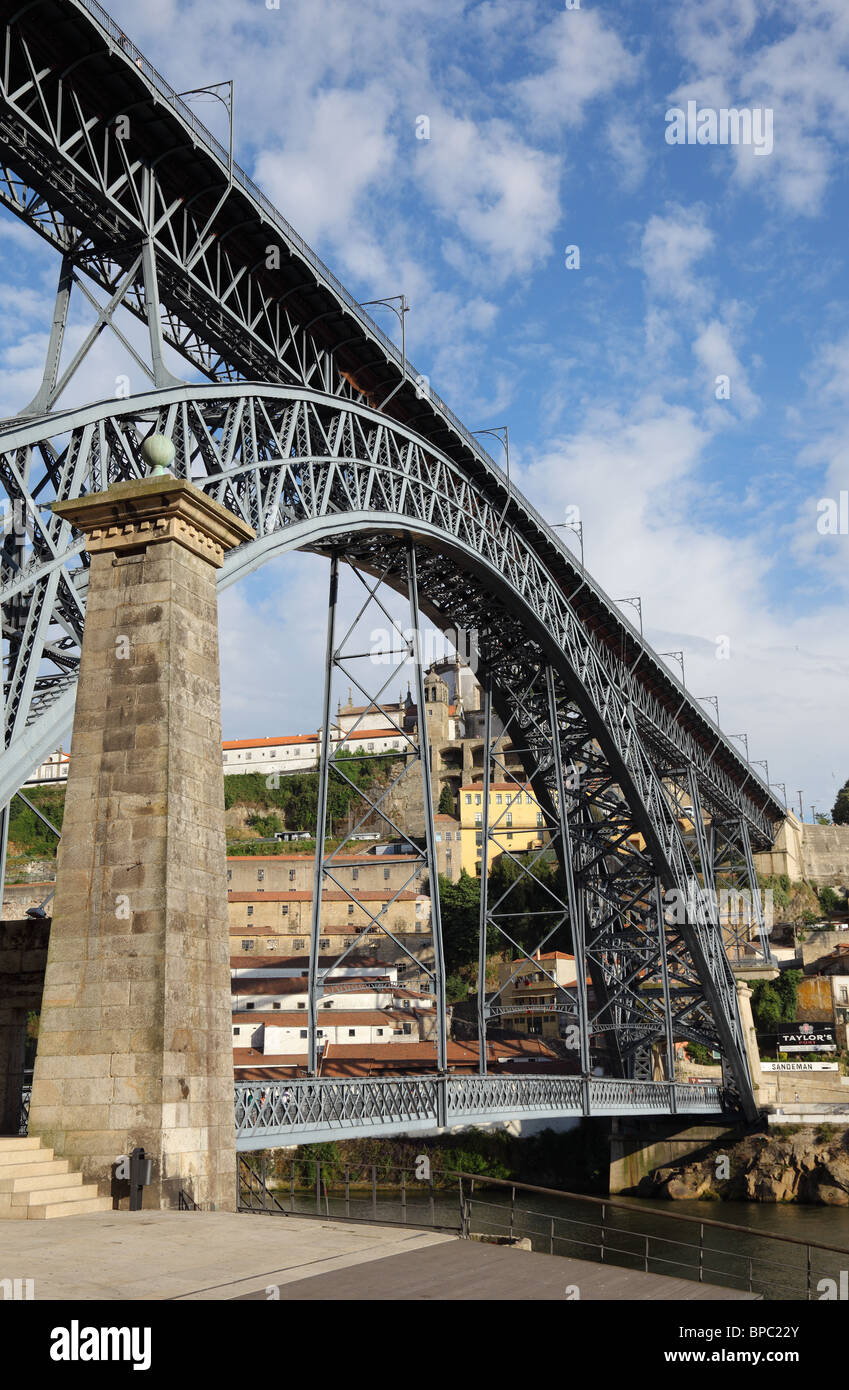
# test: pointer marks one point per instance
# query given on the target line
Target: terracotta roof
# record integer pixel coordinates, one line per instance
(290, 962)
(286, 984)
(329, 1018)
(356, 857)
(304, 895)
(497, 787)
(289, 739)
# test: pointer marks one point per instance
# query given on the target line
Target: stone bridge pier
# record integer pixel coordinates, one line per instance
(134, 1040)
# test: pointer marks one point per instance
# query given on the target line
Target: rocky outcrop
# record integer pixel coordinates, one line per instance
(804, 1165)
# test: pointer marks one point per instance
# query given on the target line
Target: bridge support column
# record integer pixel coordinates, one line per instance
(134, 1041)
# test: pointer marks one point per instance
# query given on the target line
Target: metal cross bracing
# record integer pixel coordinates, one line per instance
(373, 670)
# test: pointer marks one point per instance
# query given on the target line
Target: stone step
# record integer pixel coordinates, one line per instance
(12, 1156)
(61, 1191)
(34, 1182)
(25, 1169)
(15, 1145)
(38, 1213)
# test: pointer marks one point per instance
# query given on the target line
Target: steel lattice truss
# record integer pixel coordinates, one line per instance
(345, 450)
(307, 470)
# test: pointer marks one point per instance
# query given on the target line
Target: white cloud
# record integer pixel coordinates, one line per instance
(585, 60)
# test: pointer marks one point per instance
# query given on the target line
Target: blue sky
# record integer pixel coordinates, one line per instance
(547, 129)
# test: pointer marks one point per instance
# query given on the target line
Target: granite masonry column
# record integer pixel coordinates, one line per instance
(135, 1044)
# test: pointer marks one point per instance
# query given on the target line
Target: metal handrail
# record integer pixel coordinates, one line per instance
(752, 1269)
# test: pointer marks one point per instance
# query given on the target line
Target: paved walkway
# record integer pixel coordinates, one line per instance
(236, 1255)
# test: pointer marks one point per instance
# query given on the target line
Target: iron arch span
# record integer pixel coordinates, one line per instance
(314, 471)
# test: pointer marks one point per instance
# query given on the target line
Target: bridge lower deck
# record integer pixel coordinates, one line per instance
(163, 1255)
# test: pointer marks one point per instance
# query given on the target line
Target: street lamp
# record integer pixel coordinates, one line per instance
(712, 700)
(679, 657)
(744, 739)
(577, 527)
(227, 103)
(400, 310)
(502, 434)
(635, 603)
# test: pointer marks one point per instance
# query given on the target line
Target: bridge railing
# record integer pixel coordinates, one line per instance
(278, 1109)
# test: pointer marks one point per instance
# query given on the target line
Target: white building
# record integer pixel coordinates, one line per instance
(299, 752)
(53, 770)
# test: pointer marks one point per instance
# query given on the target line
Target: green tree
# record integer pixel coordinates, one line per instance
(446, 802)
(840, 811)
(787, 989)
(459, 905)
(766, 1006)
(829, 900)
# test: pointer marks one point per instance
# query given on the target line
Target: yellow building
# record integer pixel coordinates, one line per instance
(515, 820)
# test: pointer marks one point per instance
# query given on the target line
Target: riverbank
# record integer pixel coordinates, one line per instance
(804, 1164)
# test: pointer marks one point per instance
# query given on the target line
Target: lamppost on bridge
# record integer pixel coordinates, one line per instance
(801, 812)
(212, 91)
(400, 308)
(679, 657)
(711, 700)
(783, 791)
(577, 527)
(762, 762)
(744, 739)
(502, 434)
(637, 603)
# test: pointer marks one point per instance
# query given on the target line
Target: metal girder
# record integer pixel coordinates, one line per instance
(103, 159)
(281, 457)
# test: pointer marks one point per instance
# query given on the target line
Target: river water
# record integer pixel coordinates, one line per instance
(638, 1235)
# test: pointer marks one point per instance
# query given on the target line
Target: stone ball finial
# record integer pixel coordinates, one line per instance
(158, 453)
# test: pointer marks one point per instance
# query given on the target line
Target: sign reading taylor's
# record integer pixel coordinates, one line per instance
(805, 1037)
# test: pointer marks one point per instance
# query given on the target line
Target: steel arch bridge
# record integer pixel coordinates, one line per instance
(313, 429)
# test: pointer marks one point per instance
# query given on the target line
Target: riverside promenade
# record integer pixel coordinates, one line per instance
(174, 1256)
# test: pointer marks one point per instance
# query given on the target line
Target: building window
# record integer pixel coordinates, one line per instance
(247, 945)
(303, 1032)
(380, 1032)
(250, 909)
(385, 873)
(498, 798)
(352, 1032)
(478, 837)
(291, 875)
(468, 799)
(301, 1004)
(249, 1006)
(350, 909)
(284, 908)
(509, 818)
(528, 799)
(275, 1004)
(539, 817)
(229, 875)
(236, 1032)
(356, 874)
(319, 1033)
(248, 757)
(324, 943)
(477, 799)
(477, 818)
(260, 875)
(299, 945)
